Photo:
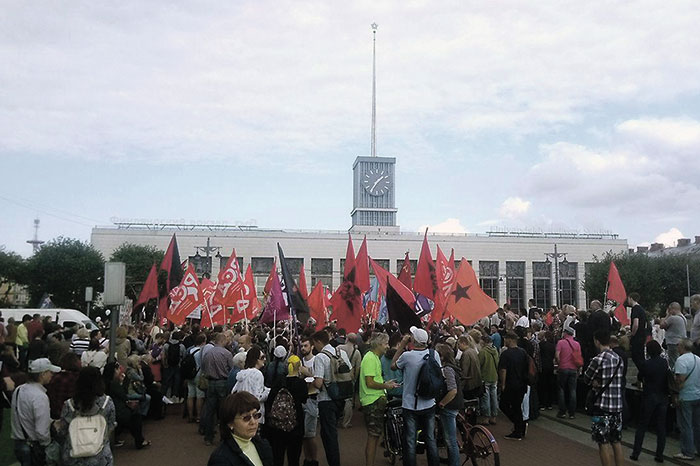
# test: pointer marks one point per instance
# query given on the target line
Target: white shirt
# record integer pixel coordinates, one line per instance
(322, 368)
(31, 412)
(523, 321)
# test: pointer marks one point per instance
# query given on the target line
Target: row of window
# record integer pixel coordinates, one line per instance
(489, 276)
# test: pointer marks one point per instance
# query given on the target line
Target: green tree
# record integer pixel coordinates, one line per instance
(138, 260)
(63, 267)
(13, 272)
(659, 280)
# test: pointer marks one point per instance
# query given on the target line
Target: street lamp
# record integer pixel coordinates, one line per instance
(207, 250)
(556, 255)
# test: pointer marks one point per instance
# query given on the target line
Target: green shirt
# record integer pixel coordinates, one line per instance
(371, 367)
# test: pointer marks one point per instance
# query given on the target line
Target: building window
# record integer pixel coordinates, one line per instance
(261, 267)
(515, 284)
(488, 278)
(201, 264)
(224, 260)
(322, 270)
(542, 284)
(568, 282)
(383, 263)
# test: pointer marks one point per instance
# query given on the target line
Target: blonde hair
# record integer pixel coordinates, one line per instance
(294, 365)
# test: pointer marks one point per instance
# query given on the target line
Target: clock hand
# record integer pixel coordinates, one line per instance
(377, 182)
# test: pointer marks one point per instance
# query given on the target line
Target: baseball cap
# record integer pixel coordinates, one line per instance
(280, 351)
(40, 365)
(420, 335)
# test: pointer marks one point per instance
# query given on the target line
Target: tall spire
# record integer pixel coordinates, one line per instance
(374, 89)
(35, 242)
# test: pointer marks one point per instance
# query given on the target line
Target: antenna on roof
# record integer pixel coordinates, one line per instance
(374, 89)
(35, 242)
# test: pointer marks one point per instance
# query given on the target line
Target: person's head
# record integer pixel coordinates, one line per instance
(510, 340)
(220, 339)
(320, 339)
(447, 355)
(88, 387)
(293, 365)
(83, 333)
(70, 362)
(633, 298)
(41, 371)
(568, 331)
(26, 318)
(601, 338)
(239, 415)
(465, 342)
(674, 309)
(653, 349)
(695, 302)
(254, 358)
(420, 337)
(94, 345)
(122, 332)
(379, 343)
(531, 303)
(486, 341)
(239, 359)
(200, 339)
(306, 346)
(685, 346)
(280, 352)
(596, 305)
(351, 338)
(133, 362)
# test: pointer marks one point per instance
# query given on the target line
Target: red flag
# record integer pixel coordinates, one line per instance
(426, 282)
(302, 284)
(349, 258)
(362, 266)
(171, 264)
(616, 291)
(445, 280)
(185, 297)
(373, 309)
(246, 303)
(452, 261)
(268, 283)
(208, 288)
(216, 311)
(318, 305)
(405, 273)
(230, 284)
(347, 299)
(467, 302)
(150, 288)
(383, 277)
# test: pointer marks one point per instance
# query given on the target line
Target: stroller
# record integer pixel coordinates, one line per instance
(393, 430)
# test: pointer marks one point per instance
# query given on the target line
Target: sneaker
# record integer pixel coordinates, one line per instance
(561, 415)
(572, 416)
(681, 456)
(512, 436)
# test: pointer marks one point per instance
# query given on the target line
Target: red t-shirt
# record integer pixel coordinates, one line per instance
(566, 347)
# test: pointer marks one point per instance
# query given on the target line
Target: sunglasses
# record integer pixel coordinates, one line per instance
(248, 417)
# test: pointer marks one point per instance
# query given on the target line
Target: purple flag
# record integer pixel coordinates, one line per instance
(276, 304)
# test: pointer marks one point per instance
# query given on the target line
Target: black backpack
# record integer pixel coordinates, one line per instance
(188, 368)
(431, 382)
(173, 355)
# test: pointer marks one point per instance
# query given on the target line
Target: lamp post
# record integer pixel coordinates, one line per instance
(207, 250)
(556, 255)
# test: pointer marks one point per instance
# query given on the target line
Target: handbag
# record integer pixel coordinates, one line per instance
(203, 383)
(576, 355)
(592, 398)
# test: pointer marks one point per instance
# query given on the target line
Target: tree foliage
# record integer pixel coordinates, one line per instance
(138, 260)
(63, 267)
(659, 280)
(13, 272)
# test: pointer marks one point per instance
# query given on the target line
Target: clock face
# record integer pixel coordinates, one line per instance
(376, 182)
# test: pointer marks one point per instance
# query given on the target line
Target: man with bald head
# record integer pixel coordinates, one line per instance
(675, 325)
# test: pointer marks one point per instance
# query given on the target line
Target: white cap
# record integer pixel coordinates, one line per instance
(40, 365)
(280, 351)
(420, 335)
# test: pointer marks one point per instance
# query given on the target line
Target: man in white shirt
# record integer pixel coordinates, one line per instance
(31, 419)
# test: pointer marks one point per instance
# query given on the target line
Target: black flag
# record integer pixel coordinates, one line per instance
(296, 302)
(399, 311)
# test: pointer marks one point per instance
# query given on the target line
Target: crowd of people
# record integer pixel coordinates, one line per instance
(272, 390)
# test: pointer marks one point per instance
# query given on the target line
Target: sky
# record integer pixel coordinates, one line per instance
(543, 116)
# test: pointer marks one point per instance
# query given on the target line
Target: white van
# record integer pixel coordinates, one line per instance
(64, 317)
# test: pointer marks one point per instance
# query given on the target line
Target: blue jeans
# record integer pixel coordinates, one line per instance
(426, 419)
(215, 394)
(448, 419)
(171, 380)
(689, 425)
(489, 400)
(567, 389)
(23, 453)
(329, 412)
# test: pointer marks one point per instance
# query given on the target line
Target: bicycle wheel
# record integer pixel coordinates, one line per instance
(482, 447)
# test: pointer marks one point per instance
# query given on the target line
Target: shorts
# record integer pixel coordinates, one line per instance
(193, 391)
(606, 428)
(310, 417)
(374, 417)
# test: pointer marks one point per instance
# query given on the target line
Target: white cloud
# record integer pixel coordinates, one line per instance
(669, 238)
(514, 207)
(451, 225)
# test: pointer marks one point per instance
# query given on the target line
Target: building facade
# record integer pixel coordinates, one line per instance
(511, 267)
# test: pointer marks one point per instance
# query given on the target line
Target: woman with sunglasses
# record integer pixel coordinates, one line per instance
(240, 445)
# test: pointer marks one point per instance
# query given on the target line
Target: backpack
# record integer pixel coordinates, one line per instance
(86, 434)
(531, 370)
(431, 382)
(188, 368)
(340, 386)
(173, 355)
(283, 413)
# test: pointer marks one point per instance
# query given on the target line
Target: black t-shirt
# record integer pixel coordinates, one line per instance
(514, 361)
(599, 320)
(641, 335)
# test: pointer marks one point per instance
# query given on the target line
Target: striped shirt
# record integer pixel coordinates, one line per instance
(80, 345)
(607, 369)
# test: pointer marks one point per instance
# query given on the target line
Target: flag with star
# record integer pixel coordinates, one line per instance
(467, 302)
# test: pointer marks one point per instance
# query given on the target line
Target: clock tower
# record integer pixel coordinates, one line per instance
(373, 195)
